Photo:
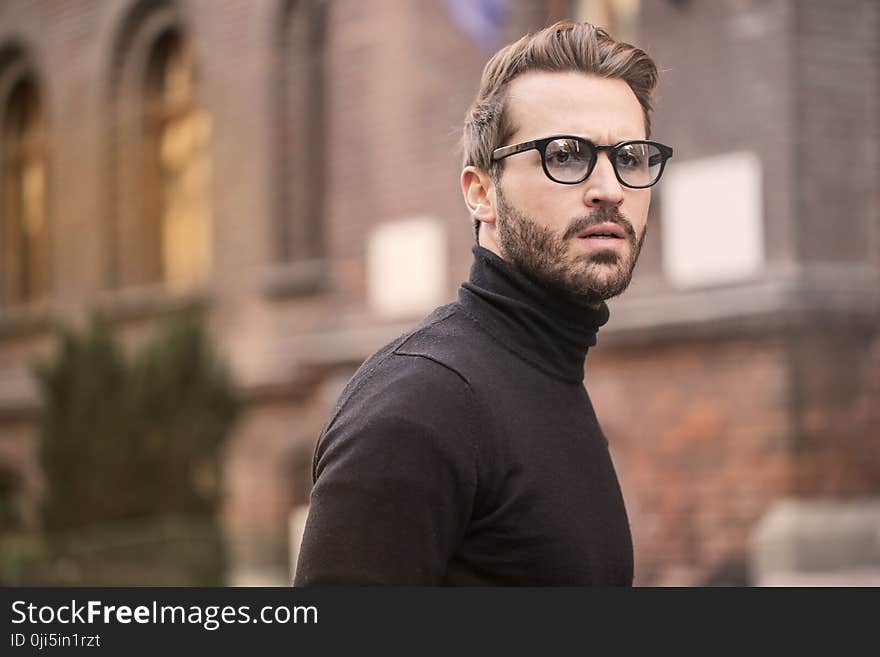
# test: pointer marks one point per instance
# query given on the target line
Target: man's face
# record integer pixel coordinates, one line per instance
(539, 223)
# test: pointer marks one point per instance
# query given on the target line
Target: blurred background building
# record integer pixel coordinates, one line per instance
(291, 167)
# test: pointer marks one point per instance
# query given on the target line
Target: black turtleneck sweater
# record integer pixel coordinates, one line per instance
(467, 452)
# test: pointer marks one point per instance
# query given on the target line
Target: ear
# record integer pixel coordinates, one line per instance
(479, 193)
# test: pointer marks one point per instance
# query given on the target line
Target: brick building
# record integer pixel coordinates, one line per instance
(292, 166)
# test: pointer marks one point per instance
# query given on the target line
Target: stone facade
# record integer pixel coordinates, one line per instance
(718, 401)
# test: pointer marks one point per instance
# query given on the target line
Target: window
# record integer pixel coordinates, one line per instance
(300, 187)
(160, 219)
(177, 167)
(24, 239)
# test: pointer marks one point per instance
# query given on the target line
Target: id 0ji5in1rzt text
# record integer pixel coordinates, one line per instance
(40, 640)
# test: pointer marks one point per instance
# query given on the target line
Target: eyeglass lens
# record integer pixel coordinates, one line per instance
(637, 164)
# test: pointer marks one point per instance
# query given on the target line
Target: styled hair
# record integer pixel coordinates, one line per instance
(564, 46)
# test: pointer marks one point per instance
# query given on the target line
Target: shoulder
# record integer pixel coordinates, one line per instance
(431, 358)
(405, 397)
(402, 386)
(452, 340)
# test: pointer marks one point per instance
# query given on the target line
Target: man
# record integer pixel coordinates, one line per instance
(467, 452)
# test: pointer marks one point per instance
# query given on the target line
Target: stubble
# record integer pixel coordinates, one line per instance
(548, 259)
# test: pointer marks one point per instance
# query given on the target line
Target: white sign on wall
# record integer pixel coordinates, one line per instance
(712, 223)
(406, 267)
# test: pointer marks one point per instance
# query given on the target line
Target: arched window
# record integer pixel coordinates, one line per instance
(161, 214)
(177, 168)
(24, 242)
(300, 235)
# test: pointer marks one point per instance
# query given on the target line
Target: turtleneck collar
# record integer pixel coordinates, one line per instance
(538, 325)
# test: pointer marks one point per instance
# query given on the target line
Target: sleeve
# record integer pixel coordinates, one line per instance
(395, 480)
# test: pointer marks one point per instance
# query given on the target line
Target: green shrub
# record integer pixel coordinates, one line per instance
(135, 441)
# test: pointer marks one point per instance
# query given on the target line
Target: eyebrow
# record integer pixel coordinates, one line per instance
(611, 142)
(589, 138)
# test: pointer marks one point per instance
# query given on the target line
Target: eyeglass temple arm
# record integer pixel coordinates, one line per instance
(505, 151)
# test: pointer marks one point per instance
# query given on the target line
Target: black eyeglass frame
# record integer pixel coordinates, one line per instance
(540, 145)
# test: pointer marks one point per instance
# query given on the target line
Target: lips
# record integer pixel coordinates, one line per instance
(605, 230)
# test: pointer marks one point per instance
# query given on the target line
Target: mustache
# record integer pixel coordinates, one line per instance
(600, 216)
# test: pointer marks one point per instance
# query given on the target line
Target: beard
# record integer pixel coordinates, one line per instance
(542, 255)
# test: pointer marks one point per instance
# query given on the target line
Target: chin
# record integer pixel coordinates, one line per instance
(603, 281)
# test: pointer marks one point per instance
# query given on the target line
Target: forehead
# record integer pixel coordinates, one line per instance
(543, 103)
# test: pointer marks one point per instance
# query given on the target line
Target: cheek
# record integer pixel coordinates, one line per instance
(542, 200)
(637, 209)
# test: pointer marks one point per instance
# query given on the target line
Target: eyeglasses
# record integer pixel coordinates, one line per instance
(570, 160)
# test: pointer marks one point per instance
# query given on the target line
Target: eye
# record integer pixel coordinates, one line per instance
(631, 157)
(566, 153)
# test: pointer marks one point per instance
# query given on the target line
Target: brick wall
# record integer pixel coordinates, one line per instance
(698, 432)
(710, 422)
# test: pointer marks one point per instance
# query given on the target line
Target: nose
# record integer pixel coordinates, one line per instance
(603, 189)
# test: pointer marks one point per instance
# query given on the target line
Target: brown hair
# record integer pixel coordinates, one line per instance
(564, 46)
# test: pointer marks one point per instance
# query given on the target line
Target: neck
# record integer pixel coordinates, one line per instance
(573, 299)
(550, 330)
